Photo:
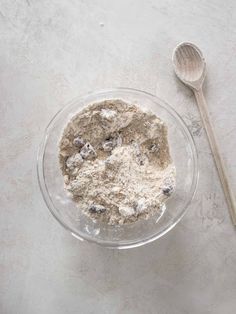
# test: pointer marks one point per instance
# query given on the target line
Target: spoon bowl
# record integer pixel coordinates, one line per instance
(190, 65)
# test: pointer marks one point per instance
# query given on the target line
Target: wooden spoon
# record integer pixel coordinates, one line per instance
(190, 68)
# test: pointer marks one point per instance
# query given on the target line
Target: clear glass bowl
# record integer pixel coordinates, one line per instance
(66, 212)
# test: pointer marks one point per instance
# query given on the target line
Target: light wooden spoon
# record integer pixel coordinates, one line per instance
(190, 67)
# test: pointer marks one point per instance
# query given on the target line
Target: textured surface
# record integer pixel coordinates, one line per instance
(52, 51)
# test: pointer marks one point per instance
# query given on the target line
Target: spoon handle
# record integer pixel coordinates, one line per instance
(216, 154)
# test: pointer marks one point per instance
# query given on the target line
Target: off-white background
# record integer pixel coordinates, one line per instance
(52, 51)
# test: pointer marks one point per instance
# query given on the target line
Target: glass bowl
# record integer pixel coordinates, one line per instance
(65, 210)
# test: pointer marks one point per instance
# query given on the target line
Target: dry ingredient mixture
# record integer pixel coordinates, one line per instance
(116, 162)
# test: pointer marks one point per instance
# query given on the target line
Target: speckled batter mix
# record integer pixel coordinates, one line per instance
(116, 162)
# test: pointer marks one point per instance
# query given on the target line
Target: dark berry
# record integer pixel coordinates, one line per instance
(97, 209)
(167, 190)
(78, 141)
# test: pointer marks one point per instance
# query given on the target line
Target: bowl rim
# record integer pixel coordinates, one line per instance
(110, 244)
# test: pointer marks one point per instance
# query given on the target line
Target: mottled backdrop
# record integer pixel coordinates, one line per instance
(52, 51)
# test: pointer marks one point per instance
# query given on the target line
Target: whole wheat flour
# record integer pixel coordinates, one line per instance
(116, 162)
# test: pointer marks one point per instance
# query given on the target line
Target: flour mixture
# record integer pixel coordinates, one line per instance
(116, 162)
